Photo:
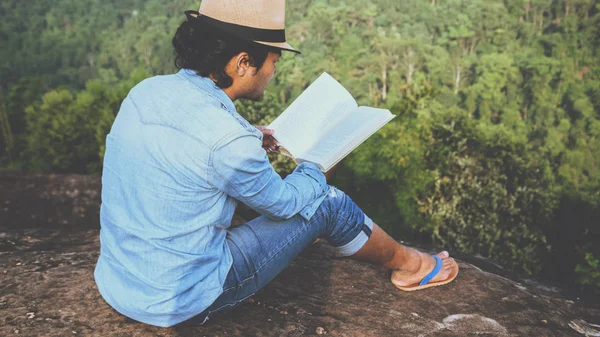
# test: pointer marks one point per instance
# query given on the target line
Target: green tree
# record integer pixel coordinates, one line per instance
(491, 196)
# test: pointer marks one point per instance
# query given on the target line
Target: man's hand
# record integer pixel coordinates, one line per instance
(269, 143)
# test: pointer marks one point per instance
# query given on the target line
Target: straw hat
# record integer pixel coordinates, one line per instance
(261, 21)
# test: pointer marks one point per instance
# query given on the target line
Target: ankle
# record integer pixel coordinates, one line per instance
(407, 260)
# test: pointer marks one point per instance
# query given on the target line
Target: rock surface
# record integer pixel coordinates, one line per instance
(49, 245)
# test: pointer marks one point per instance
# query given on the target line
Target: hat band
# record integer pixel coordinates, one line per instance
(244, 32)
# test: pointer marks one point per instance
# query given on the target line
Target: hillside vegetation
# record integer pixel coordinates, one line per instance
(495, 151)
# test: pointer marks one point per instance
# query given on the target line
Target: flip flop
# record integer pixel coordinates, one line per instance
(425, 281)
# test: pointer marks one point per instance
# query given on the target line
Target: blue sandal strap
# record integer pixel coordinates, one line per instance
(434, 272)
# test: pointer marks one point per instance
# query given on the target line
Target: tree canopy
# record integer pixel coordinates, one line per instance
(495, 151)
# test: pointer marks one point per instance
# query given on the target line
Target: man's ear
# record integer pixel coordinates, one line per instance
(242, 63)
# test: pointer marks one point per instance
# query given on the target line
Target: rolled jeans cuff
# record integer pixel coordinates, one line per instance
(359, 241)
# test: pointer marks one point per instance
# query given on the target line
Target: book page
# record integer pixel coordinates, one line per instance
(339, 140)
(320, 106)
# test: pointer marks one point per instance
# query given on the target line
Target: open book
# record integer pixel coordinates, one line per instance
(324, 124)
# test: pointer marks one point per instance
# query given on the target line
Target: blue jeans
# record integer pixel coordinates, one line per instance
(262, 248)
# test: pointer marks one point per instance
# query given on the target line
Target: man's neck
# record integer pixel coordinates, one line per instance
(229, 91)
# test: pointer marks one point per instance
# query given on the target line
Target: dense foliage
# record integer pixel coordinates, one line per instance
(495, 151)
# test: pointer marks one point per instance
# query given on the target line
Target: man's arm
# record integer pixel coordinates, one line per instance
(241, 169)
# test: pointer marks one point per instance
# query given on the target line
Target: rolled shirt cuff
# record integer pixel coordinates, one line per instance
(319, 184)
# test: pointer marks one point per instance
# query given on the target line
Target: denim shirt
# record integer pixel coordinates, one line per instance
(178, 160)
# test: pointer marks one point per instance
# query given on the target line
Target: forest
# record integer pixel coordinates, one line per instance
(495, 151)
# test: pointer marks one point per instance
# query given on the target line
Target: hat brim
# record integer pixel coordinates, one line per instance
(239, 31)
(280, 45)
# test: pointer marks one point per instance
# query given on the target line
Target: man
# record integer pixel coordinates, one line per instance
(179, 159)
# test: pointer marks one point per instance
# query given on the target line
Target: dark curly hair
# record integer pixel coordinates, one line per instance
(207, 50)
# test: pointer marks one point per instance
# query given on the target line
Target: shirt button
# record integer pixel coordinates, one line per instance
(223, 106)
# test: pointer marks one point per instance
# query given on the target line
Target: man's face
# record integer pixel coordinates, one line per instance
(257, 83)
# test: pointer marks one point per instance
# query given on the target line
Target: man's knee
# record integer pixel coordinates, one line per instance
(335, 200)
(346, 222)
(340, 209)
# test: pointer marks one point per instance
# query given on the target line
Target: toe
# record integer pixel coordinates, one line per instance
(447, 263)
(442, 275)
(443, 254)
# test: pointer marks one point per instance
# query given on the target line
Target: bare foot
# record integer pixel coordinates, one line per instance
(419, 265)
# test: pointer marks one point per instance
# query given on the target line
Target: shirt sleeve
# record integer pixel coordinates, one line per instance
(241, 169)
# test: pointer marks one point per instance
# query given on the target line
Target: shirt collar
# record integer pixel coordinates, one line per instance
(207, 85)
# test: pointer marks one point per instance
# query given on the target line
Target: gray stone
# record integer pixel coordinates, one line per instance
(341, 297)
